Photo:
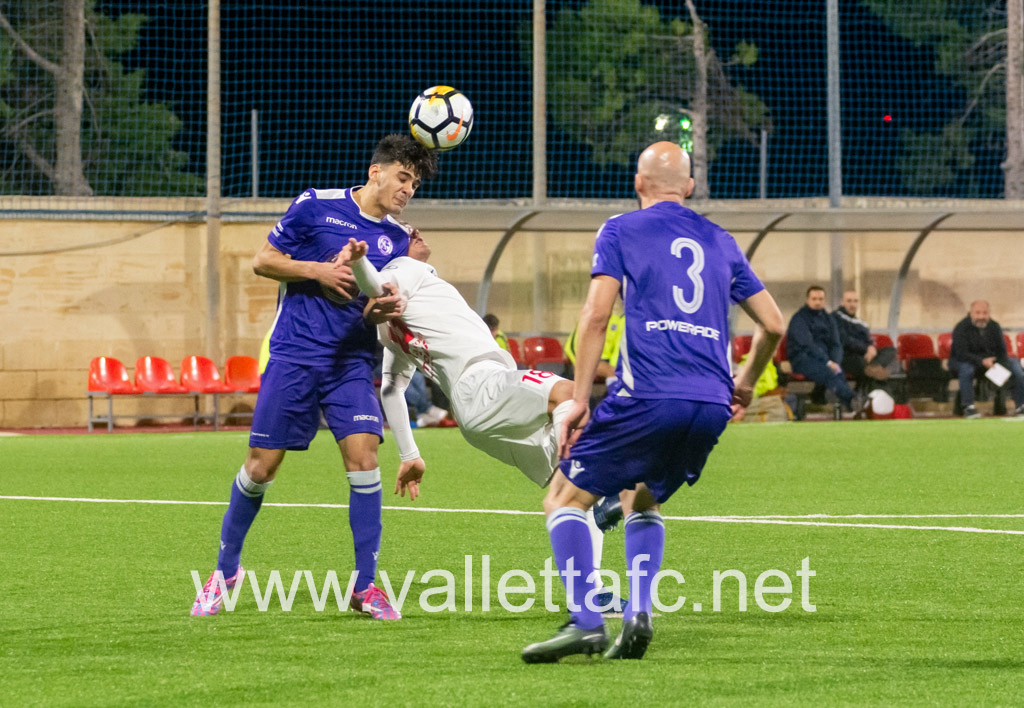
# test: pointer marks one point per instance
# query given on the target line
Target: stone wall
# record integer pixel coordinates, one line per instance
(65, 300)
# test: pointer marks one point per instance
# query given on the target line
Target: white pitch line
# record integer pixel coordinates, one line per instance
(867, 516)
(767, 519)
(782, 522)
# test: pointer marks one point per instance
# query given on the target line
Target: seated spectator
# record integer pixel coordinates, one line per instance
(860, 357)
(492, 324)
(978, 344)
(812, 344)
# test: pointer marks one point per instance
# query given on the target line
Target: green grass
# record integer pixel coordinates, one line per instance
(94, 598)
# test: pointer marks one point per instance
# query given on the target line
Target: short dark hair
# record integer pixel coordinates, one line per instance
(812, 289)
(491, 321)
(404, 150)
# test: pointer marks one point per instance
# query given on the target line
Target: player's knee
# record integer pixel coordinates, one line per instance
(359, 451)
(551, 499)
(642, 500)
(261, 465)
(363, 460)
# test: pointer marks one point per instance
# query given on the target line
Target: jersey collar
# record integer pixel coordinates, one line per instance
(351, 191)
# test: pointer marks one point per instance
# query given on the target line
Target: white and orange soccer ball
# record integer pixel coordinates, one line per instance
(441, 118)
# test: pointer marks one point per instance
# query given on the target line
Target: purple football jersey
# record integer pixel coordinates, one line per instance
(310, 328)
(679, 273)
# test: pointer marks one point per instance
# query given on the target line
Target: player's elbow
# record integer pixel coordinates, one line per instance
(775, 327)
(259, 265)
(768, 316)
(594, 319)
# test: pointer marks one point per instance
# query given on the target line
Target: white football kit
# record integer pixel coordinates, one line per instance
(500, 409)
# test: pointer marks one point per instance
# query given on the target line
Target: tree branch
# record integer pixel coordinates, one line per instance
(31, 53)
(36, 159)
(16, 128)
(981, 89)
(985, 37)
(106, 69)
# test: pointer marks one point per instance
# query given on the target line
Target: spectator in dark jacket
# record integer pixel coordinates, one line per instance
(860, 356)
(978, 344)
(813, 348)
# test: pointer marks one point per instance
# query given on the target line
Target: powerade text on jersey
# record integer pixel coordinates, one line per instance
(316, 226)
(679, 273)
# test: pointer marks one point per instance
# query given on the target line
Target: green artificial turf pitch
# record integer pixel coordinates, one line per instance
(94, 597)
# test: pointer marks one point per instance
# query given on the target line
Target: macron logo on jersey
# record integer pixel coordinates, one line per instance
(303, 197)
(338, 222)
(575, 468)
(374, 418)
(683, 327)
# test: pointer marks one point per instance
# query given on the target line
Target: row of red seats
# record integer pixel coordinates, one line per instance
(108, 377)
(910, 345)
(537, 350)
(155, 375)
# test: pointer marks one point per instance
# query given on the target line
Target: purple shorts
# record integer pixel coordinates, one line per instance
(661, 442)
(292, 396)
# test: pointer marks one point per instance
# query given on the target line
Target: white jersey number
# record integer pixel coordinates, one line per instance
(689, 306)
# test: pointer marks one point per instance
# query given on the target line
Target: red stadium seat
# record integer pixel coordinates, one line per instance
(154, 375)
(945, 344)
(925, 374)
(1020, 344)
(200, 375)
(740, 346)
(914, 345)
(543, 350)
(796, 384)
(242, 374)
(513, 349)
(881, 340)
(1009, 344)
(109, 375)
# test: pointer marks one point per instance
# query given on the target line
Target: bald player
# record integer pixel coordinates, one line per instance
(677, 274)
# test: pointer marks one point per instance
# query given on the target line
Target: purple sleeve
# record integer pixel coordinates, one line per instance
(744, 282)
(607, 256)
(289, 235)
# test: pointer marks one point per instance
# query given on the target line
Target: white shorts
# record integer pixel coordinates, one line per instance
(504, 412)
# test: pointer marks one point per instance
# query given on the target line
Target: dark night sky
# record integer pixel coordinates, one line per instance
(329, 78)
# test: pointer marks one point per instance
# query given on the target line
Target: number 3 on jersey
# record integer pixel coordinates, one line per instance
(692, 305)
(537, 376)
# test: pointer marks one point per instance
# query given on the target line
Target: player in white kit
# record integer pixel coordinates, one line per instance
(513, 415)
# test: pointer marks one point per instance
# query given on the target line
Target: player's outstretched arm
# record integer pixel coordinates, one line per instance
(765, 313)
(394, 381)
(270, 262)
(386, 303)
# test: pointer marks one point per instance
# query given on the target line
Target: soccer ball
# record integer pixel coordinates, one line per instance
(441, 118)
